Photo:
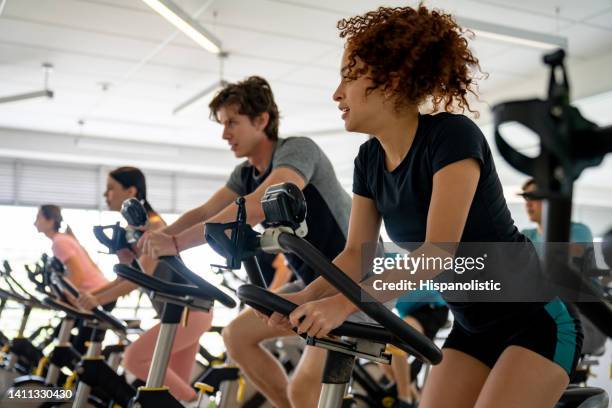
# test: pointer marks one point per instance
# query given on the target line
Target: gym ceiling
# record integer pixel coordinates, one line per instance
(119, 70)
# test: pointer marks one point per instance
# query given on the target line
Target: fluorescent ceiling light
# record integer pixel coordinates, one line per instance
(198, 99)
(44, 93)
(513, 35)
(186, 24)
(37, 94)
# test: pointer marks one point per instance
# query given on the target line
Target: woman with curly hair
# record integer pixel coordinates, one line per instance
(431, 179)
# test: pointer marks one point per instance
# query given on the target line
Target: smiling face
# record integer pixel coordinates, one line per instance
(116, 194)
(242, 134)
(361, 110)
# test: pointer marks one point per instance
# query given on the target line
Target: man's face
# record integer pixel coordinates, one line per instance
(241, 134)
(533, 207)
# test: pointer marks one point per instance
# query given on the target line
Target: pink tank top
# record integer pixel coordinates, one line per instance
(65, 247)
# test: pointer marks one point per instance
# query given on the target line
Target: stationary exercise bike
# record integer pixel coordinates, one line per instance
(195, 294)
(19, 355)
(285, 210)
(568, 145)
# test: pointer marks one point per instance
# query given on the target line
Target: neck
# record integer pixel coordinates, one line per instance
(51, 234)
(397, 135)
(540, 228)
(261, 155)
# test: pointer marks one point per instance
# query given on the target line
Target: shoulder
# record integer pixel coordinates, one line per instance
(529, 232)
(446, 124)
(580, 232)
(63, 245)
(297, 142)
(61, 239)
(578, 226)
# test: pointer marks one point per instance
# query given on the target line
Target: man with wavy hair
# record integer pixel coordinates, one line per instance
(250, 119)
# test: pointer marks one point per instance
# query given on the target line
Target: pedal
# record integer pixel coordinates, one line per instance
(204, 388)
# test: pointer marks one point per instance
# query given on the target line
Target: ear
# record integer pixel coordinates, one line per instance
(132, 191)
(262, 120)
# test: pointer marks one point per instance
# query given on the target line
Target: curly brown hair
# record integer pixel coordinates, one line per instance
(252, 97)
(413, 53)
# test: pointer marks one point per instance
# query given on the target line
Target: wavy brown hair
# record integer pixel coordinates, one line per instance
(415, 54)
(252, 96)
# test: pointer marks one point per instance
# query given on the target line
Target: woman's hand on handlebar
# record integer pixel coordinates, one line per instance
(318, 317)
(156, 244)
(87, 301)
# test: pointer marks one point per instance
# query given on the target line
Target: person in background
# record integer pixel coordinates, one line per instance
(129, 182)
(578, 231)
(81, 271)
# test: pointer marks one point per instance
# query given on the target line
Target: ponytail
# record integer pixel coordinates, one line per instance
(69, 231)
(147, 206)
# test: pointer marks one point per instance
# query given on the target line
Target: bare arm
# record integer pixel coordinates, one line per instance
(76, 273)
(454, 187)
(162, 244)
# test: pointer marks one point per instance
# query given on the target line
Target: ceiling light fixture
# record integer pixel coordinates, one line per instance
(512, 35)
(44, 93)
(2, 4)
(186, 24)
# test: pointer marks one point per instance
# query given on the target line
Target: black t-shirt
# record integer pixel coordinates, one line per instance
(329, 205)
(402, 196)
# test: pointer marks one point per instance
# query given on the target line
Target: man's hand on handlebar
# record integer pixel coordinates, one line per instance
(318, 317)
(277, 320)
(156, 244)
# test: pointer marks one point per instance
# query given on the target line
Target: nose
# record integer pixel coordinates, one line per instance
(338, 94)
(225, 135)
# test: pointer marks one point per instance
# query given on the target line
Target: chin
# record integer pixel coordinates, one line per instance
(349, 127)
(241, 154)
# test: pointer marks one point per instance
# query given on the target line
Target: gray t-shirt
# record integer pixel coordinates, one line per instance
(329, 205)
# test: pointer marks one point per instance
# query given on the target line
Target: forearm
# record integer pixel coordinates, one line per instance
(191, 237)
(114, 290)
(186, 221)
